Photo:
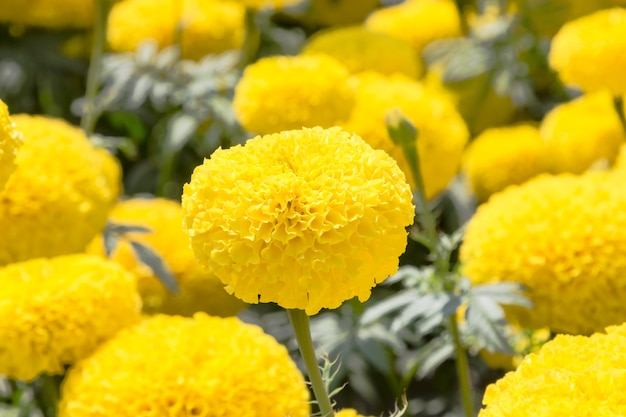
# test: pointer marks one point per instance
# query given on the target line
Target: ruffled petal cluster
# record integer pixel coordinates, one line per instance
(359, 49)
(60, 194)
(55, 312)
(503, 156)
(199, 290)
(205, 26)
(10, 141)
(187, 367)
(305, 218)
(582, 132)
(569, 376)
(590, 52)
(290, 92)
(441, 129)
(50, 14)
(340, 12)
(564, 238)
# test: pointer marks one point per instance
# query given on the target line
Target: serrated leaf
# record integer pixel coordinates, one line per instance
(441, 50)
(386, 306)
(180, 128)
(434, 360)
(140, 91)
(150, 258)
(404, 272)
(129, 228)
(423, 353)
(485, 320)
(426, 305)
(468, 64)
(506, 293)
(402, 132)
(110, 243)
(375, 355)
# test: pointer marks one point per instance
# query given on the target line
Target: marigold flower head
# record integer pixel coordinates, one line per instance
(442, 133)
(418, 22)
(569, 376)
(51, 14)
(60, 194)
(581, 132)
(359, 49)
(305, 218)
(206, 26)
(290, 92)
(340, 12)
(562, 237)
(10, 141)
(589, 52)
(54, 312)
(503, 156)
(176, 366)
(199, 290)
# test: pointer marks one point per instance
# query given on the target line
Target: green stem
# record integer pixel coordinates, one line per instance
(300, 323)
(252, 40)
(48, 394)
(462, 369)
(619, 108)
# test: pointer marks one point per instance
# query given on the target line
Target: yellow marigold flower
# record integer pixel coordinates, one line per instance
(54, 312)
(348, 412)
(199, 289)
(562, 237)
(206, 26)
(418, 22)
(359, 49)
(176, 366)
(60, 194)
(442, 131)
(589, 52)
(52, 14)
(503, 156)
(340, 12)
(569, 376)
(305, 218)
(290, 92)
(620, 159)
(268, 4)
(581, 132)
(10, 141)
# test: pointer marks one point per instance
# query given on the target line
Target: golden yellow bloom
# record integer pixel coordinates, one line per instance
(563, 238)
(206, 26)
(418, 22)
(60, 194)
(176, 366)
(10, 141)
(340, 12)
(503, 156)
(290, 92)
(442, 132)
(52, 14)
(581, 132)
(570, 376)
(199, 289)
(348, 412)
(589, 52)
(359, 49)
(55, 312)
(305, 218)
(268, 4)
(620, 160)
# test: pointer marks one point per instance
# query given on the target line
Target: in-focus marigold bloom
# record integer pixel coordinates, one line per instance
(305, 218)
(60, 194)
(199, 289)
(359, 49)
(340, 12)
(206, 26)
(418, 22)
(564, 238)
(55, 312)
(51, 14)
(290, 92)
(10, 141)
(581, 132)
(176, 366)
(589, 52)
(569, 376)
(503, 156)
(442, 133)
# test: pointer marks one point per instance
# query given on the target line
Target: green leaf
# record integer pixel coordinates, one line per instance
(402, 132)
(506, 293)
(485, 320)
(393, 303)
(8, 411)
(180, 128)
(150, 258)
(435, 359)
(375, 355)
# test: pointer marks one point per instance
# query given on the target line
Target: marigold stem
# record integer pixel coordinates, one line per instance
(48, 394)
(462, 369)
(300, 323)
(252, 39)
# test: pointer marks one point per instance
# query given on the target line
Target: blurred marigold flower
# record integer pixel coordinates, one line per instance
(268, 4)
(60, 194)
(569, 376)
(590, 52)
(54, 312)
(10, 141)
(50, 14)
(442, 133)
(348, 412)
(305, 218)
(290, 92)
(418, 22)
(340, 12)
(203, 26)
(176, 366)
(581, 132)
(359, 49)
(562, 237)
(503, 156)
(199, 289)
